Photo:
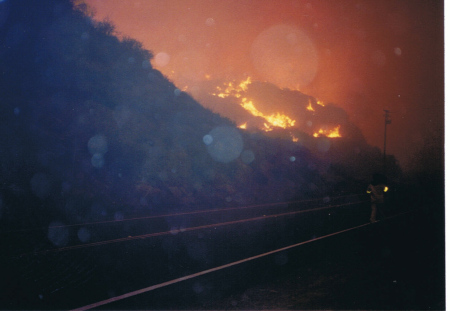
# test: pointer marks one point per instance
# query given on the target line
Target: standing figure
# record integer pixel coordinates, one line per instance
(377, 188)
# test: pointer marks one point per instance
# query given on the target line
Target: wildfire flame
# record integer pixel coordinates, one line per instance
(310, 108)
(319, 102)
(333, 133)
(277, 119)
(274, 120)
(233, 89)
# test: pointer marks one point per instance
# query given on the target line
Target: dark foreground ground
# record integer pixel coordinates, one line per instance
(396, 264)
(396, 268)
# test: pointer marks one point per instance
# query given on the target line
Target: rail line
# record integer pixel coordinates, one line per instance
(162, 233)
(234, 263)
(201, 211)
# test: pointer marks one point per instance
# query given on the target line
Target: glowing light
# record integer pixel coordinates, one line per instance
(334, 132)
(310, 108)
(243, 126)
(244, 84)
(274, 120)
(329, 133)
(319, 102)
(386, 189)
(277, 119)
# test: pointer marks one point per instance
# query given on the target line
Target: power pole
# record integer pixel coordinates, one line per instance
(387, 121)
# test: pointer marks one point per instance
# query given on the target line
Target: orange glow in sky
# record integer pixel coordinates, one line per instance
(362, 55)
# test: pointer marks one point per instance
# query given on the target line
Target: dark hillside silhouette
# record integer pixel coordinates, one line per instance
(68, 82)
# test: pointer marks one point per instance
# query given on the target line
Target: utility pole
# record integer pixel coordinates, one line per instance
(387, 121)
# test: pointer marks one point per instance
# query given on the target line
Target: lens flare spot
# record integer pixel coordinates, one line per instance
(177, 92)
(210, 22)
(84, 235)
(58, 234)
(118, 216)
(97, 160)
(208, 139)
(226, 145)
(98, 144)
(162, 59)
(285, 55)
(247, 156)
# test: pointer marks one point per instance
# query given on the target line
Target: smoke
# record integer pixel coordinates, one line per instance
(364, 56)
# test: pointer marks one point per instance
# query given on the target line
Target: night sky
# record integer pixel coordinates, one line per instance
(362, 55)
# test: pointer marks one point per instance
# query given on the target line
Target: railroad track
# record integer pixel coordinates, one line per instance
(131, 256)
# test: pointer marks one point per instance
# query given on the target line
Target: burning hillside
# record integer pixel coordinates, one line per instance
(238, 91)
(255, 105)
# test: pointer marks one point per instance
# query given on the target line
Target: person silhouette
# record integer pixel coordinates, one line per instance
(376, 189)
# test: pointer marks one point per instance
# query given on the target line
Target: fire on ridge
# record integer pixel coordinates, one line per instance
(237, 90)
